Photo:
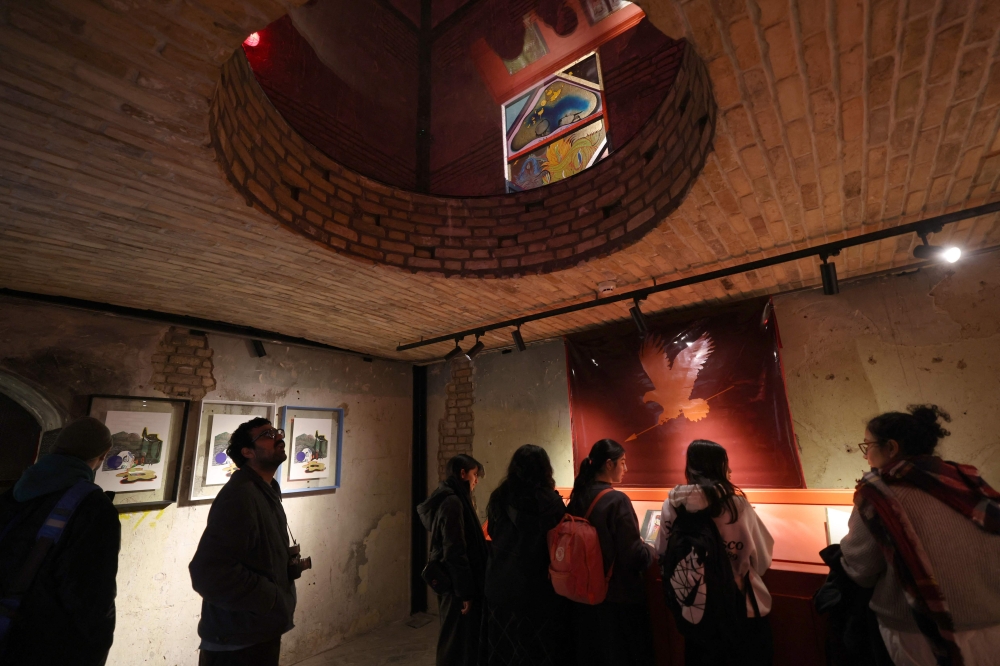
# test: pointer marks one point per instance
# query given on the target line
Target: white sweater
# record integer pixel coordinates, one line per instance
(747, 540)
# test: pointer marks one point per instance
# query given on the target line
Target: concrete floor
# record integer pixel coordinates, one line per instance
(397, 643)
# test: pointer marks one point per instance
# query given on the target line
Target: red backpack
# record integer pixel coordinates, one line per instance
(576, 566)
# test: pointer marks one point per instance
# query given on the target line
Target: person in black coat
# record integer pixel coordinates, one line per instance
(526, 621)
(67, 615)
(241, 567)
(457, 541)
(616, 632)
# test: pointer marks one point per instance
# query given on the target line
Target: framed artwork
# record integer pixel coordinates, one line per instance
(651, 526)
(147, 436)
(211, 467)
(558, 128)
(314, 442)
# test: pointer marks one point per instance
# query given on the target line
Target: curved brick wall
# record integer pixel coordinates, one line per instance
(597, 212)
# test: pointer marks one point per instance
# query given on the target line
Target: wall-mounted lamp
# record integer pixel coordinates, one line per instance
(936, 252)
(638, 318)
(828, 272)
(476, 348)
(454, 352)
(518, 340)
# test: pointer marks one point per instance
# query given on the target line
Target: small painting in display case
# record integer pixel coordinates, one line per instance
(212, 467)
(142, 467)
(651, 526)
(314, 444)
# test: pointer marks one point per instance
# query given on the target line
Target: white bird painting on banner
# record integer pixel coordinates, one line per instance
(674, 381)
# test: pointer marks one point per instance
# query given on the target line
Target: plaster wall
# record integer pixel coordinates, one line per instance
(358, 536)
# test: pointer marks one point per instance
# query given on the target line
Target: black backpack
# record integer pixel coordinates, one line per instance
(698, 583)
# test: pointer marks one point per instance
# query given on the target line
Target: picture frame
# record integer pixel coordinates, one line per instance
(210, 468)
(304, 460)
(144, 465)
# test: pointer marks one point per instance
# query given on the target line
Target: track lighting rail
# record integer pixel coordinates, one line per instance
(930, 225)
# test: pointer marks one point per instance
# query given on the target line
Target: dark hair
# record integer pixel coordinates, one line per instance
(600, 453)
(529, 470)
(707, 467)
(464, 463)
(241, 439)
(917, 433)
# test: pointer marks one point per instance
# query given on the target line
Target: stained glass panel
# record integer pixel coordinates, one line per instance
(585, 69)
(562, 158)
(558, 105)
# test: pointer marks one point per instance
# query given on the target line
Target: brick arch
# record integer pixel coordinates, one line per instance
(595, 213)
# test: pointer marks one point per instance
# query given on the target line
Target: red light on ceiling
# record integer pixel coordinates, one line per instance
(252, 40)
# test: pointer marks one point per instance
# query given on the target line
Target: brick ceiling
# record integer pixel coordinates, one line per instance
(834, 118)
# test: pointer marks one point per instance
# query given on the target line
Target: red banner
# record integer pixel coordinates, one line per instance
(715, 377)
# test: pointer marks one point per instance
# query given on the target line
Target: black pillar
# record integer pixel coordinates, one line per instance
(418, 485)
(424, 99)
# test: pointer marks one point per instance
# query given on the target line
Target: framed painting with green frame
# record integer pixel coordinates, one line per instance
(143, 467)
(315, 443)
(211, 467)
(556, 129)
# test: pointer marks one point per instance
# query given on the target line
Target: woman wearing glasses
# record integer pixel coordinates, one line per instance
(925, 533)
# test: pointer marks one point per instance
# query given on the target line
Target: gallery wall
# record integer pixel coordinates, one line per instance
(358, 535)
(929, 335)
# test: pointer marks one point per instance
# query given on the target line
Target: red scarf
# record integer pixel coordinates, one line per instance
(957, 486)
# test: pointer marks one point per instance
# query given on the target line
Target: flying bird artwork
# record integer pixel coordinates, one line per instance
(674, 382)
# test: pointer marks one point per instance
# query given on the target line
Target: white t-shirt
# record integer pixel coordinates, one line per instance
(747, 540)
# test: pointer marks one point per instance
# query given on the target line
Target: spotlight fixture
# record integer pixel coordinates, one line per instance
(936, 252)
(476, 348)
(518, 340)
(828, 271)
(252, 40)
(454, 352)
(638, 318)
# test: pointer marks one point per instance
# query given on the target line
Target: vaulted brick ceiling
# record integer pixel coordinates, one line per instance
(834, 118)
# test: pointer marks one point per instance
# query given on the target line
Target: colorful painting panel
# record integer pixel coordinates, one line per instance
(218, 466)
(559, 104)
(309, 451)
(135, 461)
(562, 158)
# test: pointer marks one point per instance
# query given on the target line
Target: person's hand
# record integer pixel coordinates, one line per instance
(466, 605)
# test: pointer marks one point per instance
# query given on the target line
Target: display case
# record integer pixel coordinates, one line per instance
(802, 522)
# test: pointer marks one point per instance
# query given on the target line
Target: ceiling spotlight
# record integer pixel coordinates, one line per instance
(638, 318)
(828, 271)
(476, 348)
(252, 40)
(936, 252)
(518, 340)
(454, 352)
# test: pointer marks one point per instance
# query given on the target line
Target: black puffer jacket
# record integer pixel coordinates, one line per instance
(518, 568)
(457, 537)
(68, 614)
(241, 566)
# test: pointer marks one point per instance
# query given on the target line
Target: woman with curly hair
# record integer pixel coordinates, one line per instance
(925, 533)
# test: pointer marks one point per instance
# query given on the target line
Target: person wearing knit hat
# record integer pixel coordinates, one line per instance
(75, 586)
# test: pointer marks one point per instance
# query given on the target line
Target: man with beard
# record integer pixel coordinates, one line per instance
(241, 566)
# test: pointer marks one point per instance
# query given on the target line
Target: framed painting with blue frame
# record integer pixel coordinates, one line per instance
(211, 467)
(314, 459)
(556, 129)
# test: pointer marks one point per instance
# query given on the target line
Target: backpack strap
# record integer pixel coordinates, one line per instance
(748, 589)
(601, 494)
(48, 536)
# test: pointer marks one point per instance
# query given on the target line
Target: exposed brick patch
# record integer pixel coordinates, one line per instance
(182, 365)
(284, 176)
(455, 431)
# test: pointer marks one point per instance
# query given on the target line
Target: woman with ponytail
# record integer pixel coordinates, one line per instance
(925, 533)
(748, 544)
(617, 631)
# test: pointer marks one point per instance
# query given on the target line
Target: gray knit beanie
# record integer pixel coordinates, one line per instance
(84, 438)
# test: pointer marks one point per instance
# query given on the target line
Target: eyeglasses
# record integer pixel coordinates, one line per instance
(273, 433)
(864, 446)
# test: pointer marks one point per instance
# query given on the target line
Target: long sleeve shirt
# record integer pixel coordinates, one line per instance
(747, 540)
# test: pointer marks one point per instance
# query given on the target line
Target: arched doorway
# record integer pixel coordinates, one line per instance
(19, 437)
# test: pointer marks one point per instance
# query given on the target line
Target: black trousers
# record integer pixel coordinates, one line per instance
(262, 654)
(458, 640)
(611, 634)
(752, 646)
